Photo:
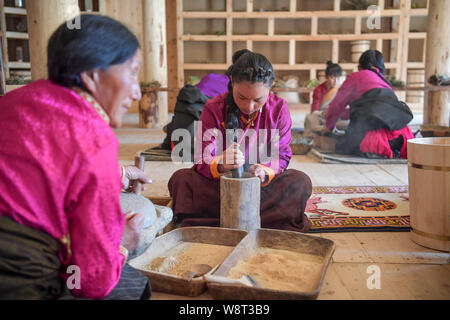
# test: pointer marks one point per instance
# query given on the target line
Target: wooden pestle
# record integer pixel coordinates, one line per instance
(239, 172)
(138, 162)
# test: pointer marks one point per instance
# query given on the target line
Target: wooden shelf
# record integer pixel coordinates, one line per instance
(16, 35)
(262, 31)
(19, 65)
(284, 38)
(11, 39)
(12, 10)
(295, 14)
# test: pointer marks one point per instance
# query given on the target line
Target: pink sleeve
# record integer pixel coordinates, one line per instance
(283, 125)
(343, 98)
(317, 97)
(96, 224)
(211, 145)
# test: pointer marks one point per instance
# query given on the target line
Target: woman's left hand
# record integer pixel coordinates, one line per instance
(131, 174)
(258, 172)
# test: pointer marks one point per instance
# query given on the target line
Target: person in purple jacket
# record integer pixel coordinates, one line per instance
(262, 124)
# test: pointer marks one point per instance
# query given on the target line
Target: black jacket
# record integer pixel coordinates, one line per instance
(188, 109)
(376, 109)
(381, 105)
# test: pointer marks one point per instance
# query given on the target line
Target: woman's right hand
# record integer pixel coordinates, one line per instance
(132, 231)
(233, 158)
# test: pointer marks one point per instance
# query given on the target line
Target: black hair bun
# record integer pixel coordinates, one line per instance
(329, 63)
(239, 54)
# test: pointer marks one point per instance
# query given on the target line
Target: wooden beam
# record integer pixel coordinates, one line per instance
(5, 54)
(249, 44)
(380, 45)
(286, 38)
(358, 25)
(180, 37)
(249, 6)
(172, 52)
(229, 32)
(335, 51)
(297, 14)
(155, 53)
(314, 25)
(271, 27)
(337, 5)
(18, 11)
(44, 16)
(16, 35)
(292, 6)
(437, 104)
(292, 49)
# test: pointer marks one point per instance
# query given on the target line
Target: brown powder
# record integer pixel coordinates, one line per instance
(281, 270)
(179, 260)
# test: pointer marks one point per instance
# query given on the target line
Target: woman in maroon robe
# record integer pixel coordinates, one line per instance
(250, 111)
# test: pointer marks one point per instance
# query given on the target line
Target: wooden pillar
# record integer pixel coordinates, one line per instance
(44, 16)
(172, 53)
(437, 103)
(130, 14)
(155, 52)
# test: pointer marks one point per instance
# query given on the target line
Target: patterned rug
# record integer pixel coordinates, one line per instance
(352, 209)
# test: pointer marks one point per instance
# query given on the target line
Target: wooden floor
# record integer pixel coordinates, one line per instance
(408, 271)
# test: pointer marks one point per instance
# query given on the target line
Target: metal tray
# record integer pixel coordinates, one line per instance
(274, 239)
(163, 282)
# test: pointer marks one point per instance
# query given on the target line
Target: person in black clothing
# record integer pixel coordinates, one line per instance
(189, 106)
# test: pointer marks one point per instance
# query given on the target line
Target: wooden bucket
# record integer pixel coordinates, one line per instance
(429, 191)
(358, 48)
(416, 78)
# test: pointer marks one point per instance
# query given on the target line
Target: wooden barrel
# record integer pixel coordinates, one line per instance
(240, 201)
(416, 78)
(358, 47)
(429, 191)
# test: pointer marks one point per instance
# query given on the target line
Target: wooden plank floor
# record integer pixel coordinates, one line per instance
(408, 271)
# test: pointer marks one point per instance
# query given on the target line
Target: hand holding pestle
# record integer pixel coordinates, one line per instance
(139, 163)
(239, 172)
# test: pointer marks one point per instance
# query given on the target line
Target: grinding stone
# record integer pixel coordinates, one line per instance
(164, 217)
(139, 204)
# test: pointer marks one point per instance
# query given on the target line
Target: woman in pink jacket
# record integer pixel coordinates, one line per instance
(62, 231)
(378, 120)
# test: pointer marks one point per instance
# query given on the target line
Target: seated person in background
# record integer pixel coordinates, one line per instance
(189, 106)
(378, 120)
(249, 106)
(322, 97)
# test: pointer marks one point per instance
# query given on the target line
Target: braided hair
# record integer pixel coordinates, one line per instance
(247, 66)
(371, 59)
